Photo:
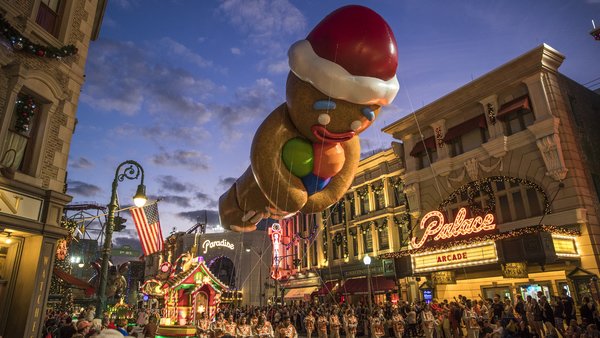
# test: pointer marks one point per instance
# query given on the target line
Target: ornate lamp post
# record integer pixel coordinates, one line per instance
(131, 171)
(367, 261)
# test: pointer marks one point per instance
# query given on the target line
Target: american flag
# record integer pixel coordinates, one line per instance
(148, 228)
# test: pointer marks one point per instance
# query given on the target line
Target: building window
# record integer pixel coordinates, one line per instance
(352, 204)
(398, 191)
(18, 146)
(509, 199)
(304, 254)
(516, 115)
(48, 16)
(313, 260)
(382, 236)
(467, 135)
(363, 195)
(367, 236)
(379, 196)
(355, 244)
(337, 213)
(425, 158)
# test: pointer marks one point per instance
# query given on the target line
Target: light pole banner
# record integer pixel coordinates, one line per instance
(147, 224)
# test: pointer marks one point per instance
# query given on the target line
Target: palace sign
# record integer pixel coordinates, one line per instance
(211, 244)
(437, 230)
(468, 255)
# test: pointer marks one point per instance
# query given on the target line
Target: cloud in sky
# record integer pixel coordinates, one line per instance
(227, 182)
(171, 183)
(81, 163)
(180, 201)
(250, 103)
(126, 78)
(266, 22)
(235, 51)
(188, 159)
(211, 217)
(83, 188)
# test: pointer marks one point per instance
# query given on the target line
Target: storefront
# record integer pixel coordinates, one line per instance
(28, 242)
(471, 257)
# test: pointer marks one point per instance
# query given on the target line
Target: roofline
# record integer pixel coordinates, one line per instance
(543, 57)
(98, 18)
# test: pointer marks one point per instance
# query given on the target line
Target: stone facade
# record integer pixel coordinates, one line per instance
(37, 177)
(370, 219)
(536, 133)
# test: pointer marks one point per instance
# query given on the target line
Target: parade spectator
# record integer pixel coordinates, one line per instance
(150, 328)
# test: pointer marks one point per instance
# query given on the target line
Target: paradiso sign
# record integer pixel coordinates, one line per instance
(208, 244)
(438, 231)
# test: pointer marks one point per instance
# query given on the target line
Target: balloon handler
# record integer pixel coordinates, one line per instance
(305, 153)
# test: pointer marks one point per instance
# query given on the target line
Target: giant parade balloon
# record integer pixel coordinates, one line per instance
(305, 153)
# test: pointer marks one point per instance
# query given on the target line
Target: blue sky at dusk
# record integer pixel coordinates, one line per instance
(181, 86)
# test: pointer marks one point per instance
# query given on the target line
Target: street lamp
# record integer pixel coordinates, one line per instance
(367, 261)
(131, 171)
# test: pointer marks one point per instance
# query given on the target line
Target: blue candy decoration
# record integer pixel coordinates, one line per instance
(314, 183)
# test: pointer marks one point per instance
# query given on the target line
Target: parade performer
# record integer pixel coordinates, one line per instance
(309, 324)
(305, 153)
(352, 324)
(230, 327)
(322, 323)
(263, 329)
(397, 324)
(377, 330)
(286, 329)
(334, 324)
(244, 330)
(203, 328)
(218, 327)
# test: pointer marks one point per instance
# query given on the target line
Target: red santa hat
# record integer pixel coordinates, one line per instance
(350, 55)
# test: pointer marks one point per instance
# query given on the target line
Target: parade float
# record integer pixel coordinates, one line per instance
(188, 294)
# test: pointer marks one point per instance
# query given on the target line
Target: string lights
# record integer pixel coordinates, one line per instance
(22, 44)
(490, 237)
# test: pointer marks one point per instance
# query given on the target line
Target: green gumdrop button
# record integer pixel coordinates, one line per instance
(298, 156)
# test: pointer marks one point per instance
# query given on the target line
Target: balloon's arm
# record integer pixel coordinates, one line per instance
(340, 183)
(284, 190)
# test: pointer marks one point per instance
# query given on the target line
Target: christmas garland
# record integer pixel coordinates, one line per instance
(25, 109)
(490, 237)
(472, 189)
(23, 44)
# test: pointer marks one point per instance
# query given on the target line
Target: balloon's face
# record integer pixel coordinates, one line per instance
(323, 119)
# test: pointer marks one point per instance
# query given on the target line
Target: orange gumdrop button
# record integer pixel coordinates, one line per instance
(329, 159)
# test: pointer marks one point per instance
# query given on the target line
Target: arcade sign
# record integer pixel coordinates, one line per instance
(208, 244)
(437, 230)
(459, 256)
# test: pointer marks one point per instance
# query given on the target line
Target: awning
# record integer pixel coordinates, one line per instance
(419, 147)
(300, 293)
(327, 288)
(513, 106)
(360, 285)
(465, 127)
(74, 281)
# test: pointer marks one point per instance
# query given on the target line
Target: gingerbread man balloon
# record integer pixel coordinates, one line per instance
(305, 153)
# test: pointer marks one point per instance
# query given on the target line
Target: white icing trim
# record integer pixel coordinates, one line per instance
(333, 80)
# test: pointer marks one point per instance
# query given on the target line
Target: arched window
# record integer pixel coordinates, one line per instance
(509, 198)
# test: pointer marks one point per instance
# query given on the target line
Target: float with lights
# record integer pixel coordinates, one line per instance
(188, 294)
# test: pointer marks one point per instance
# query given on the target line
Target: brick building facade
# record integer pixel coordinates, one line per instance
(38, 102)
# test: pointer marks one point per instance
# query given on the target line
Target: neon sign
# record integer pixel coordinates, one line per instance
(276, 239)
(436, 229)
(211, 244)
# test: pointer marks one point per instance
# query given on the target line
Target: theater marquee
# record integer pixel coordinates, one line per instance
(455, 257)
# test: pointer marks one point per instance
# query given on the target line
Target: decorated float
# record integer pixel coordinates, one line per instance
(188, 294)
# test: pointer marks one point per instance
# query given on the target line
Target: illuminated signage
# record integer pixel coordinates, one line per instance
(436, 229)
(208, 244)
(565, 246)
(468, 255)
(15, 204)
